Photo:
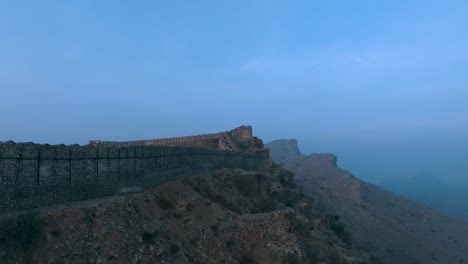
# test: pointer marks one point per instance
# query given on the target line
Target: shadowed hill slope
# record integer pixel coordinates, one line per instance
(226, 216)
(390, 227)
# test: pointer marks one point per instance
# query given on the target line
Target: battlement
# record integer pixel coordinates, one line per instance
(242, 132)
(222, 140)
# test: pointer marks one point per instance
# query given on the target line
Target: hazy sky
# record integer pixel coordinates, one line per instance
(383, 84)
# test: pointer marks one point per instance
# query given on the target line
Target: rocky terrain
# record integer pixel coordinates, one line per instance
(284, 150)
(389, 227)
(224, 216)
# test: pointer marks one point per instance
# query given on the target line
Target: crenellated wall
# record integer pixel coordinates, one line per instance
(242, 132)
(204, 141)
(34, 175)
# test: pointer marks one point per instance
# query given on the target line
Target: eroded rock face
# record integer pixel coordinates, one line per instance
(284, 150)
(226, 216)
(391, 228)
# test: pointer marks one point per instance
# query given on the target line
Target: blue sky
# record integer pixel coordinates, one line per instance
(375, 82)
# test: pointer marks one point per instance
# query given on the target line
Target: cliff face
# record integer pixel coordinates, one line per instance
(284, 150)
(391, 228)
(224, 216)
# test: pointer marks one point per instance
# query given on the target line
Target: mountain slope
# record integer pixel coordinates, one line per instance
(224, 216)
(390, 227)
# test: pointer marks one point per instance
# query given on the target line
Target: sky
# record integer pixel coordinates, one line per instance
(382, 84)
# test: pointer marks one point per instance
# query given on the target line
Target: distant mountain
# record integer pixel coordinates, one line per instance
(393, 229)
(427, 189)
(284, 149)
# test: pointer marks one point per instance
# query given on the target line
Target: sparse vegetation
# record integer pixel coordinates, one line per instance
(290, 258)
(174, 248)
(164, 203)
(177, 215)
(246, 184)
(229, 243)
(247, 258)
(214, 228)
(23, 230)
(189, 207)
(338, 228)
(148, 237)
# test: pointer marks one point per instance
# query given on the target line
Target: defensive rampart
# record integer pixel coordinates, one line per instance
(212, 141)
(34, 175)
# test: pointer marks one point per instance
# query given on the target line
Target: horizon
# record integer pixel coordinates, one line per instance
(381, 85)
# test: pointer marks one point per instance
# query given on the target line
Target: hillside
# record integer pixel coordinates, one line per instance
(391, 228)
(223, 216)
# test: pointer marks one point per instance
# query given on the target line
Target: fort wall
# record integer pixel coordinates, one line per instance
(33, 175)
(203, 141)
(242, 132)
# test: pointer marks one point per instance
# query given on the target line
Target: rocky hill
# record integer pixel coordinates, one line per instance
(223, 216)
(391, 228)
(284, 149)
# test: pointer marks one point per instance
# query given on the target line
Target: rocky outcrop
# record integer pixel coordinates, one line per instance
(391, 228)
(224, 216)
(284, 150)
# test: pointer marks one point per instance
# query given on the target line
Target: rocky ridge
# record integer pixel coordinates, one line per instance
(223, 216)
(391, 228)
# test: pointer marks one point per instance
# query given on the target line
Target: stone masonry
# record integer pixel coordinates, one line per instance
(222, 140)
(34, 175)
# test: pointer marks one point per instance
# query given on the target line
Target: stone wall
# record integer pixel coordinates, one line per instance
(34, 175)
(205, 140)
(242, 132)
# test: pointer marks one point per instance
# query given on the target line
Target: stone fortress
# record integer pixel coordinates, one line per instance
(38, 175)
